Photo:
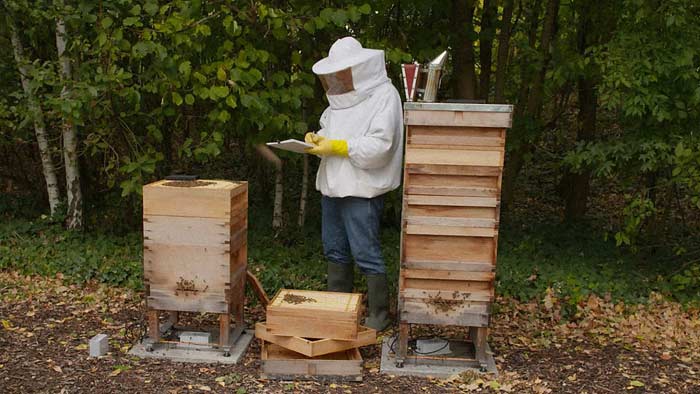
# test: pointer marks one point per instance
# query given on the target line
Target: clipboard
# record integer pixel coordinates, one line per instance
(291, 145)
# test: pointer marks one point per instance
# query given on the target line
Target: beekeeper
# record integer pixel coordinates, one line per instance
(361, 146)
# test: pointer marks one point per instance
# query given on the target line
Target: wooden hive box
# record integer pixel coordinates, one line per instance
(315, 314)
(451, 201)
(195, 240)
(283, 364)
(316, 347)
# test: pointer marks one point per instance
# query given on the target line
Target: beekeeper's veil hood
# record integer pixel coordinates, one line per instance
(350, 72)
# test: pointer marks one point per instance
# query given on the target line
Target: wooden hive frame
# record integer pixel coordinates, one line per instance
(316, 314)
(195, 253)
(451, 206)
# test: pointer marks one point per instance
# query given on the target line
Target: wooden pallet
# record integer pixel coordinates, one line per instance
(283, 364)
(315, 314)
(195, 251)
(316, 347)
(451, 207)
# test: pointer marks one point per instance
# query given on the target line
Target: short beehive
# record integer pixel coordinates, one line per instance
(315, 314)
(195, 240)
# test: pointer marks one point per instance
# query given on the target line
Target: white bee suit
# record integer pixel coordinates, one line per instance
(369, 118)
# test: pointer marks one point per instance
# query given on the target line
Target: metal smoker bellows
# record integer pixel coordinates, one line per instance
(422, 83)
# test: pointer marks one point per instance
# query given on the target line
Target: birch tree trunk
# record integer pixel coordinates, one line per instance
(304, 193)
(47, 165)
(270, 156)
(70, 137)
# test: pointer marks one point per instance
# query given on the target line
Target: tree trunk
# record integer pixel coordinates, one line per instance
(304, 193)
(525, 75)
(270, 156)
(47, 165)
(464, 70)
(503, 47)
(533, 110)
(486, 37)
(74, 212)
(575, 187)
(534, 104)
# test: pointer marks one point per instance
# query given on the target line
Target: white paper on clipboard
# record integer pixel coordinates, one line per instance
(291, 145)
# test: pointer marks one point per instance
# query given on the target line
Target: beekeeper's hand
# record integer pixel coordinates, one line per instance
(326, 147)
(313, 138)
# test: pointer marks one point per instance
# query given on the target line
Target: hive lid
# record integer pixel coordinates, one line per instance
(462, 107)
(215, 184)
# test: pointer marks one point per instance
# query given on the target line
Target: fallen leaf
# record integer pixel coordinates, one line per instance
(204, 388)
(57, 369)
(115, 372)
(636, 383)
(82, 346)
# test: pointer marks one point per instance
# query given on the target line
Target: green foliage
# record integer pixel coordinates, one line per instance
(686, 170)
(572, 261)
(182, 76)
(189, 86)
(43, 247)
(575, 262)
(686, 284)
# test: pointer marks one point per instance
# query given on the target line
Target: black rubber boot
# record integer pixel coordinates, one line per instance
(340, 277)
(378, 300)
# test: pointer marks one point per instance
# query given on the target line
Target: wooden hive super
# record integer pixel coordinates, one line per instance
(195, 249)
(315, 314)
(452, 187)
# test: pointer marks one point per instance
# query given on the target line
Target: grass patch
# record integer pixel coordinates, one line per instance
(576, 261)
(572, 261)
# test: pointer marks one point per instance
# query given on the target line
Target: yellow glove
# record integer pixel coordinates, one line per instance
(313, 138)
(326, 147)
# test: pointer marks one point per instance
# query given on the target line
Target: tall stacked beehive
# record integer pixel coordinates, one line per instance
(452, 187)
(195, 250)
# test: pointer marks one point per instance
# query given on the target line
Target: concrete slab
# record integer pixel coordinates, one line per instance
(99, 345)
(188, 353)
(434, 366)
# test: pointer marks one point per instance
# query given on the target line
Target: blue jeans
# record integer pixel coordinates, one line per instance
(350, 229)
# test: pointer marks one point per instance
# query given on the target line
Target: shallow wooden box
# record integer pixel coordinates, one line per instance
(315, 314)
(283, 364)
(195, 240)
(316, 347)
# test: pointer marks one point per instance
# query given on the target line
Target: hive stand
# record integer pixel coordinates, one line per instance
(451, 203)
(195, 255)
